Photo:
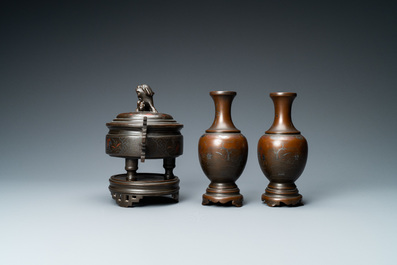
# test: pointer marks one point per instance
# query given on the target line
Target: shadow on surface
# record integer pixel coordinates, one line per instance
(218, 204)
(154, 201)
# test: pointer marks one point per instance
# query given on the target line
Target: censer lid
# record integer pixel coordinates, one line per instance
(144, 113)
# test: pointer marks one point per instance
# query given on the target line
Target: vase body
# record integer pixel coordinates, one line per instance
(223, 152)
(282, 154)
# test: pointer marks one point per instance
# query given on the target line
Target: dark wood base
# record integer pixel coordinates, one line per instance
(279, 194)
(223, 194)
(127, 192)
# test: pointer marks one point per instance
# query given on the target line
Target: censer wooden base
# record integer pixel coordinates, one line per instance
(223, 194)
(279, 194)
(127, 192)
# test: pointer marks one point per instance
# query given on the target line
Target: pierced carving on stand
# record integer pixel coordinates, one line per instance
(137, 135)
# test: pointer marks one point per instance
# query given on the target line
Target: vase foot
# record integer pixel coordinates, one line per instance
(223, 194)
(279, 194)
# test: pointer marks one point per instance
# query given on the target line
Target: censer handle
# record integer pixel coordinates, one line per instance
(143, 144)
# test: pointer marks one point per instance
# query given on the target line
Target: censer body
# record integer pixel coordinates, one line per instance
(140, 135)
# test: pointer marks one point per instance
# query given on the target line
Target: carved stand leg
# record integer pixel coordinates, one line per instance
(125, 200)
(175, 196)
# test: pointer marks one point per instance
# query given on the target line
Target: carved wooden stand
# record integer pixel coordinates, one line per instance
(279, 194)
(128, 189)
(219, 193)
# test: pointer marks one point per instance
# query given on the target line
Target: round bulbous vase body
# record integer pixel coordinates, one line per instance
(282, 154)
(223, 152)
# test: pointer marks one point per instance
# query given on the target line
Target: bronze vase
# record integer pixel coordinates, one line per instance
(282, 154)
(223, 152)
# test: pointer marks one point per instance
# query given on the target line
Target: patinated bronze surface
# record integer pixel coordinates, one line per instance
(282, 154)
(144, 134)
(223, 153)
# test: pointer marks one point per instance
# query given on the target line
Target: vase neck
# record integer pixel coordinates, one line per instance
(223, 119)
(282, 123)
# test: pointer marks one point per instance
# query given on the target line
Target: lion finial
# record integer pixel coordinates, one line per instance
(145, 98)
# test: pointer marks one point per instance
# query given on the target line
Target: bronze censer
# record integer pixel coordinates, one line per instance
(144, 134)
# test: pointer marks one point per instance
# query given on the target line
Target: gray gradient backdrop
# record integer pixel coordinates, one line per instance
(68, 68)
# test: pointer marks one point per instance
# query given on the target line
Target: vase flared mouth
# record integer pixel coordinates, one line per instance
(285, 94)
(213, 93)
